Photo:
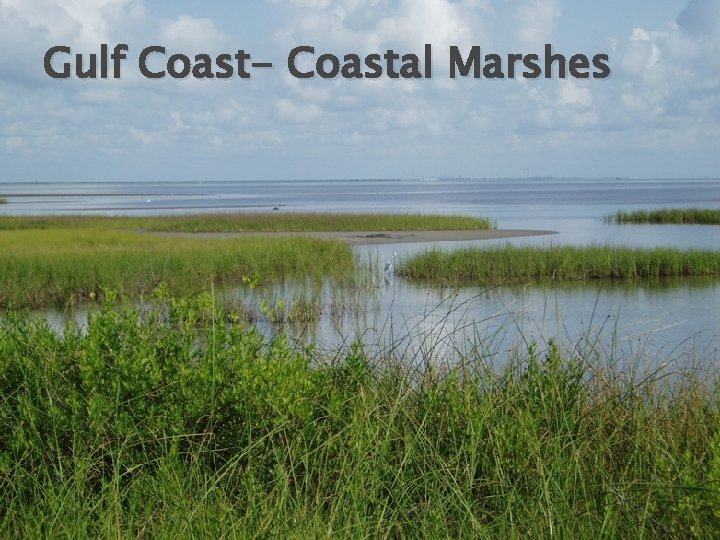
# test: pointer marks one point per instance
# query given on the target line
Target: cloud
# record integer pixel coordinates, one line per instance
(701, 18)
(84, 23)
(665, 87)
(571, 94)
(664, 93)
(439, 22)
(295, 112)
(536, 21)
(375, 25)
(193, 35)
(28, 29)
(671, 75)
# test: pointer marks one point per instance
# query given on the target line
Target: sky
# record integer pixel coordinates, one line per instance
(657, 115)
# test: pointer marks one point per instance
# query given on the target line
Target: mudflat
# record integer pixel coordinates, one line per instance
(397, 237)
(359, 238)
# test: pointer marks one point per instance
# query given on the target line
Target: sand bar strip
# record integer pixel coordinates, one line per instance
(380, 237)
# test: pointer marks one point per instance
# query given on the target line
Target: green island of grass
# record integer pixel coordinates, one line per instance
(512, 263)
(3, 201)
(56, 259)
(42, 267)
(679, 216)
(142, 425)
(254, 222)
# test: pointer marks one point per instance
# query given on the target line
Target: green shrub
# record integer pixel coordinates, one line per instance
(167, 421)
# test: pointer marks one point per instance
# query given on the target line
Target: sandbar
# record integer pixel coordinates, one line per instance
(359, 238)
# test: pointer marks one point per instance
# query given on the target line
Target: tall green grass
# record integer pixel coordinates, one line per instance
(512, 263)
(52, 259)
(253, 222)
(700, 216)
(144, 425)
(41, 267)
(3, 201)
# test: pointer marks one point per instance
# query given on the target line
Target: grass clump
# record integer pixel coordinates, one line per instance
(697, 216)
(255, 222)
(145, 425)
(314, 222)
(41, 267)
(513, 263)
(53, 259)
(3, 201)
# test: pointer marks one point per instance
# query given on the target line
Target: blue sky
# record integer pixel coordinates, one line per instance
(658, 115)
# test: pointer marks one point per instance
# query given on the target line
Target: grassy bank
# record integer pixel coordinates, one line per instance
(699, 216)
(3, 201)
(41, 267)
(253, 222)
(54, 259)
(511, 263)
(143, 426)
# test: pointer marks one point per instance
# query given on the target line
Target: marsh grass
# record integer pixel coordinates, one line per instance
(518, 263)
(57, 259)
(3, 201)
(253, 222)
(699, 216)
(144, 424)
(41, 267)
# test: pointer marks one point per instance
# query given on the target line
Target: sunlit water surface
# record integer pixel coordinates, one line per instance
(662, 321)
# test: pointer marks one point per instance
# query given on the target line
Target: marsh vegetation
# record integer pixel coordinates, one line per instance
(42, 267)
(510, 263)
(167, 421)
(253, 222)
(56, 259)
(179, 417)
(679, 216)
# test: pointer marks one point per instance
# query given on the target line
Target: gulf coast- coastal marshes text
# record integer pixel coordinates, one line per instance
(305, 62)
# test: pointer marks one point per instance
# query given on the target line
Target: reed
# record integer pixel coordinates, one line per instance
(56, 259)
(3, 201)
(41, 267)
(696, 216)
(143, 425)
(512, 263)
(253, 222)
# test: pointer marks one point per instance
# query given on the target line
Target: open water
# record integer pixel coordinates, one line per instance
(661, 320)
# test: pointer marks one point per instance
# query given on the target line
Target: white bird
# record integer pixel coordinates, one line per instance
(389, 264)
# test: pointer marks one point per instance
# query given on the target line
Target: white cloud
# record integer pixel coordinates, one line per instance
(574, 95)
(293, 111)
(702, 18)
(439, 22)
(669, 74)
(536, 21)
(193, 35)
(665, 88)
(84, 23)
(375, 25)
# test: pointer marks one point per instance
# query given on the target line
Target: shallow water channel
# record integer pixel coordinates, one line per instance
(648, 321)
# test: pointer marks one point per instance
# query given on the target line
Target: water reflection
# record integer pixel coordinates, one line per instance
(661, 318)
(657, 319)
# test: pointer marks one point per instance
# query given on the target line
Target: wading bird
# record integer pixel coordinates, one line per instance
(389, 264)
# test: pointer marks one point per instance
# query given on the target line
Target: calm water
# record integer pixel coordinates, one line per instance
(663, 319)
(573, 207)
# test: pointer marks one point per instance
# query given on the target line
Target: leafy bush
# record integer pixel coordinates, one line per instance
(168, 421)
